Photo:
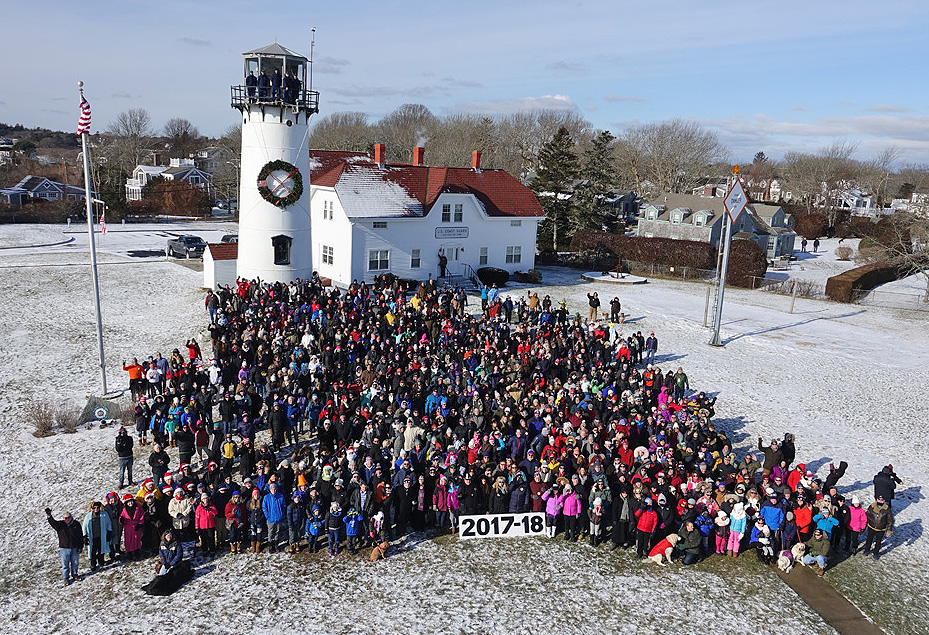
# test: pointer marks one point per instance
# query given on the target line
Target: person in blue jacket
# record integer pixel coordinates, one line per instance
(826, 521)
(772, 513)
(274, 507)
(314, 528)
(170, 552)
(97, 530)
(353, 524)
(705, 523)
(296, 519)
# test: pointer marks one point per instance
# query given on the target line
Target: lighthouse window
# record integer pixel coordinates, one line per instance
(281, 245)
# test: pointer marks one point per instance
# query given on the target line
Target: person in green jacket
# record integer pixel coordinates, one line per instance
(817, 551)
(690, 542)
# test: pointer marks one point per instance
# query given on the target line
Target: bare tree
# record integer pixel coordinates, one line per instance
(521, 136)
(182, 137)
(817, 179)
(672, 155)
(348, 131)
(457, 135)
(129, 138)
(408, 126)
(876, 174)
(902, 241)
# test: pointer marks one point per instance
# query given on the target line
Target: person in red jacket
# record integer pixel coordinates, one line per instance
(803, 516)
(645, 527)
(236, 518)
(205, 523)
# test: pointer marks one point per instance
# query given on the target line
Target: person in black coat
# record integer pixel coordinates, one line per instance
(70, 542)
(885, 482)
(499, 502)
(788, 449)
(469, 497)
(124, 447)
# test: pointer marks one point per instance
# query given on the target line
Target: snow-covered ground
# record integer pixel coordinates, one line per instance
(849, 381)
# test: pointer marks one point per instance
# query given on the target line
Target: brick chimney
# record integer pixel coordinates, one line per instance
(379, 154)
(476, 160)
(419, 154)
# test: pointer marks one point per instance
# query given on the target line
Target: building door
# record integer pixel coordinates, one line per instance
(455, 255)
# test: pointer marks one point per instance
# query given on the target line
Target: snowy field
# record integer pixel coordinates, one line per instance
(849, 381)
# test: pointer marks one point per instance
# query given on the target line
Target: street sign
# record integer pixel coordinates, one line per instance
(736, 200)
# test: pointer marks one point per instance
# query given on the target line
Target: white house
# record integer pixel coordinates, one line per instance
(369, 217)
(219, 264)
(178, 170)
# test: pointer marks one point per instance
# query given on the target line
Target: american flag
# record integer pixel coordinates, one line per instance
(83, 124)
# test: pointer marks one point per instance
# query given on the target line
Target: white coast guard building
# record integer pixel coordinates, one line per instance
(369, 217)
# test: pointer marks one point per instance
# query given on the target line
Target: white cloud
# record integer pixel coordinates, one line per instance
(563, 66)
(329, 65)
(622, 98)
(193, 41)
(509, 106)
(888, 108)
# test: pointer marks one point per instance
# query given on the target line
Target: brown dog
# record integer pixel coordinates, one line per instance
(379, 551)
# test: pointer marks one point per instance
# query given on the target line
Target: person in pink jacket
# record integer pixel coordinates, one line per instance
(571, 510)
(552, 510)
(857, 521)
(133, 518)
(205, 523)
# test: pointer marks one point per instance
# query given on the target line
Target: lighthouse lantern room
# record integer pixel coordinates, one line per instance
(274, 193)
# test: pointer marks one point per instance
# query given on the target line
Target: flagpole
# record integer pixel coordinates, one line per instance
(93, 249)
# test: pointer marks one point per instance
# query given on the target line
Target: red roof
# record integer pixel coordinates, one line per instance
(500, 193)
(223, 251)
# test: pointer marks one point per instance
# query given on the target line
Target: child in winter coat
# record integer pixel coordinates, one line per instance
(826, 522)
(353, 524)
(788, 532)
(705, 524)
(334, 526)
(857, 521)
(737, 523)
(722, 531)
(314, 528)
(296, 521)
(595, 514)
(552, 510)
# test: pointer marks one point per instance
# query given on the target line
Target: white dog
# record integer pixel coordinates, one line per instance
(661, 553)
(786, 560)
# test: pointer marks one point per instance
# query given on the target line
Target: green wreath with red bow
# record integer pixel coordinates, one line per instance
(292, 173)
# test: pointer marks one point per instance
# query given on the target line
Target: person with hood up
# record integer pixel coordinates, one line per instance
(97, 529)
(133, 521)
(857, 522)
(595, 514)
(737, 523)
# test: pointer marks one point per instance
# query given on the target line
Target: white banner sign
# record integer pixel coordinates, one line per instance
(451, 232)
(502, 525)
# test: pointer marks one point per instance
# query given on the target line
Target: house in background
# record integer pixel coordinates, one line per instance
(688, 217)
(683, 217)
(178, 170)
(48, 190)
(210, 159)
(369, 217)
(16, 196)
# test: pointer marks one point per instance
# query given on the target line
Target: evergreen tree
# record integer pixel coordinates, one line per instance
(558, 169)
(599, 174)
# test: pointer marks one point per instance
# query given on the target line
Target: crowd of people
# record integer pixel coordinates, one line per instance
(343, 420)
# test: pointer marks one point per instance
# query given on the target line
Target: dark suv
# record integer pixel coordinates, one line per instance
(186, 247)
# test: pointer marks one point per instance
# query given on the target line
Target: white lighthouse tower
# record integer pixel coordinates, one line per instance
(274, 192)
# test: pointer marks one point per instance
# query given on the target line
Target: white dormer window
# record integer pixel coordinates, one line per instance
(699, 220)
(676, 218)
(652, 214)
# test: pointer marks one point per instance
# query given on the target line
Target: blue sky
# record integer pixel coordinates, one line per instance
(771, 76)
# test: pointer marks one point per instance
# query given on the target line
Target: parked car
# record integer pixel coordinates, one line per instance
(186, 247)
(230, 238)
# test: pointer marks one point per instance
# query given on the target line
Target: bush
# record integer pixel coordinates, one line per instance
(844, 252)
(692, 254)
(41, 416)
(746, 261)
(493, 275)
(842, 287)
(67, 419)
(811, 226)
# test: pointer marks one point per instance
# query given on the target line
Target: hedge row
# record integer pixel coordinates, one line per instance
(841, 287)
(659, 251)
(747, 260)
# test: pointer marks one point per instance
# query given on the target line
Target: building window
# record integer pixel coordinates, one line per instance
(328, 206)
(676, 219)
(446, 213)
(380, 224)
(195, 180)
(513, 254)
(281, 245)
(415, 260)
(652, 215)
(458, 212)
(378, 259)
(698, 221)
(516, 223)
(483, 255)
(328, 254)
